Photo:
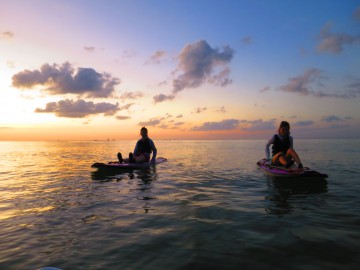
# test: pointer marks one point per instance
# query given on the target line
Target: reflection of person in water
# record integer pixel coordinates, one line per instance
(283, 152)
(281, 189)
(143, 149)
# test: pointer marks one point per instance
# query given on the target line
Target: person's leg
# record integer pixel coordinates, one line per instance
(279, 159)
(131, 158)
(120, 158)
(291, 153)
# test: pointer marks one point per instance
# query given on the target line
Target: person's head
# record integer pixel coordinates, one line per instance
(284, 128)
(144, 132)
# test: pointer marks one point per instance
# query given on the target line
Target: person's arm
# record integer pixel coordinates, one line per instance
(136, 148)
(291, 142)
(154, 150)
(267, 147)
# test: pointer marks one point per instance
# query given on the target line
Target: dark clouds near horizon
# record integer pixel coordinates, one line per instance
(226, 124)
(304, 123)
(165, 122)
(333, 118)
(64, 79)
(199, 63)
(233, 124)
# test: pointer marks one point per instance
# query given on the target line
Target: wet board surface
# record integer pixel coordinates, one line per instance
(280, 171)
(118, 165)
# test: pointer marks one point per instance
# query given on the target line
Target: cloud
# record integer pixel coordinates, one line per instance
(175, 125)
(162, 122)
(304, 123)
(331, 119)
(338, 126)
(152, 122)
(354, 88)
(248, 40)
(257, 124)
(222, 78)
(121, 117)
(321, 94)
(79, 108)
(198, 63)
(226, 124)
(179, 116)
(265, 89)
(334, 42)
(132, 95)
(336, 122)
(231, 124)
(161, 97)
(301, 84)
(7, 35)
(157, 57)
(126, 107)
(62, 79)
(199, 110)
(128, 54)
(356, 14)
(222, 110)
(164, 126)
(163, 83)
(89, 48)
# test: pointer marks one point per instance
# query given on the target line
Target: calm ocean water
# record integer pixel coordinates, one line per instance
(208, 207)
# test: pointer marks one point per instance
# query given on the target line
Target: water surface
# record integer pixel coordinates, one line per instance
(208, 207)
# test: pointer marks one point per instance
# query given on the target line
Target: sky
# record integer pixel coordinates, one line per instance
(98, 70)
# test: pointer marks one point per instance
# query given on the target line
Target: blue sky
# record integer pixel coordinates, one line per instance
(185, 69)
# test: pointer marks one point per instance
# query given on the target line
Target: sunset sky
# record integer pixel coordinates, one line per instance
(83, 70)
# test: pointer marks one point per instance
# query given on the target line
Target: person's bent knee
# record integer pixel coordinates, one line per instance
(276, 159)
(290, 151)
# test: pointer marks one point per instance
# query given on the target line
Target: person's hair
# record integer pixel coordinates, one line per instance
(284, 124)
(144, 129)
